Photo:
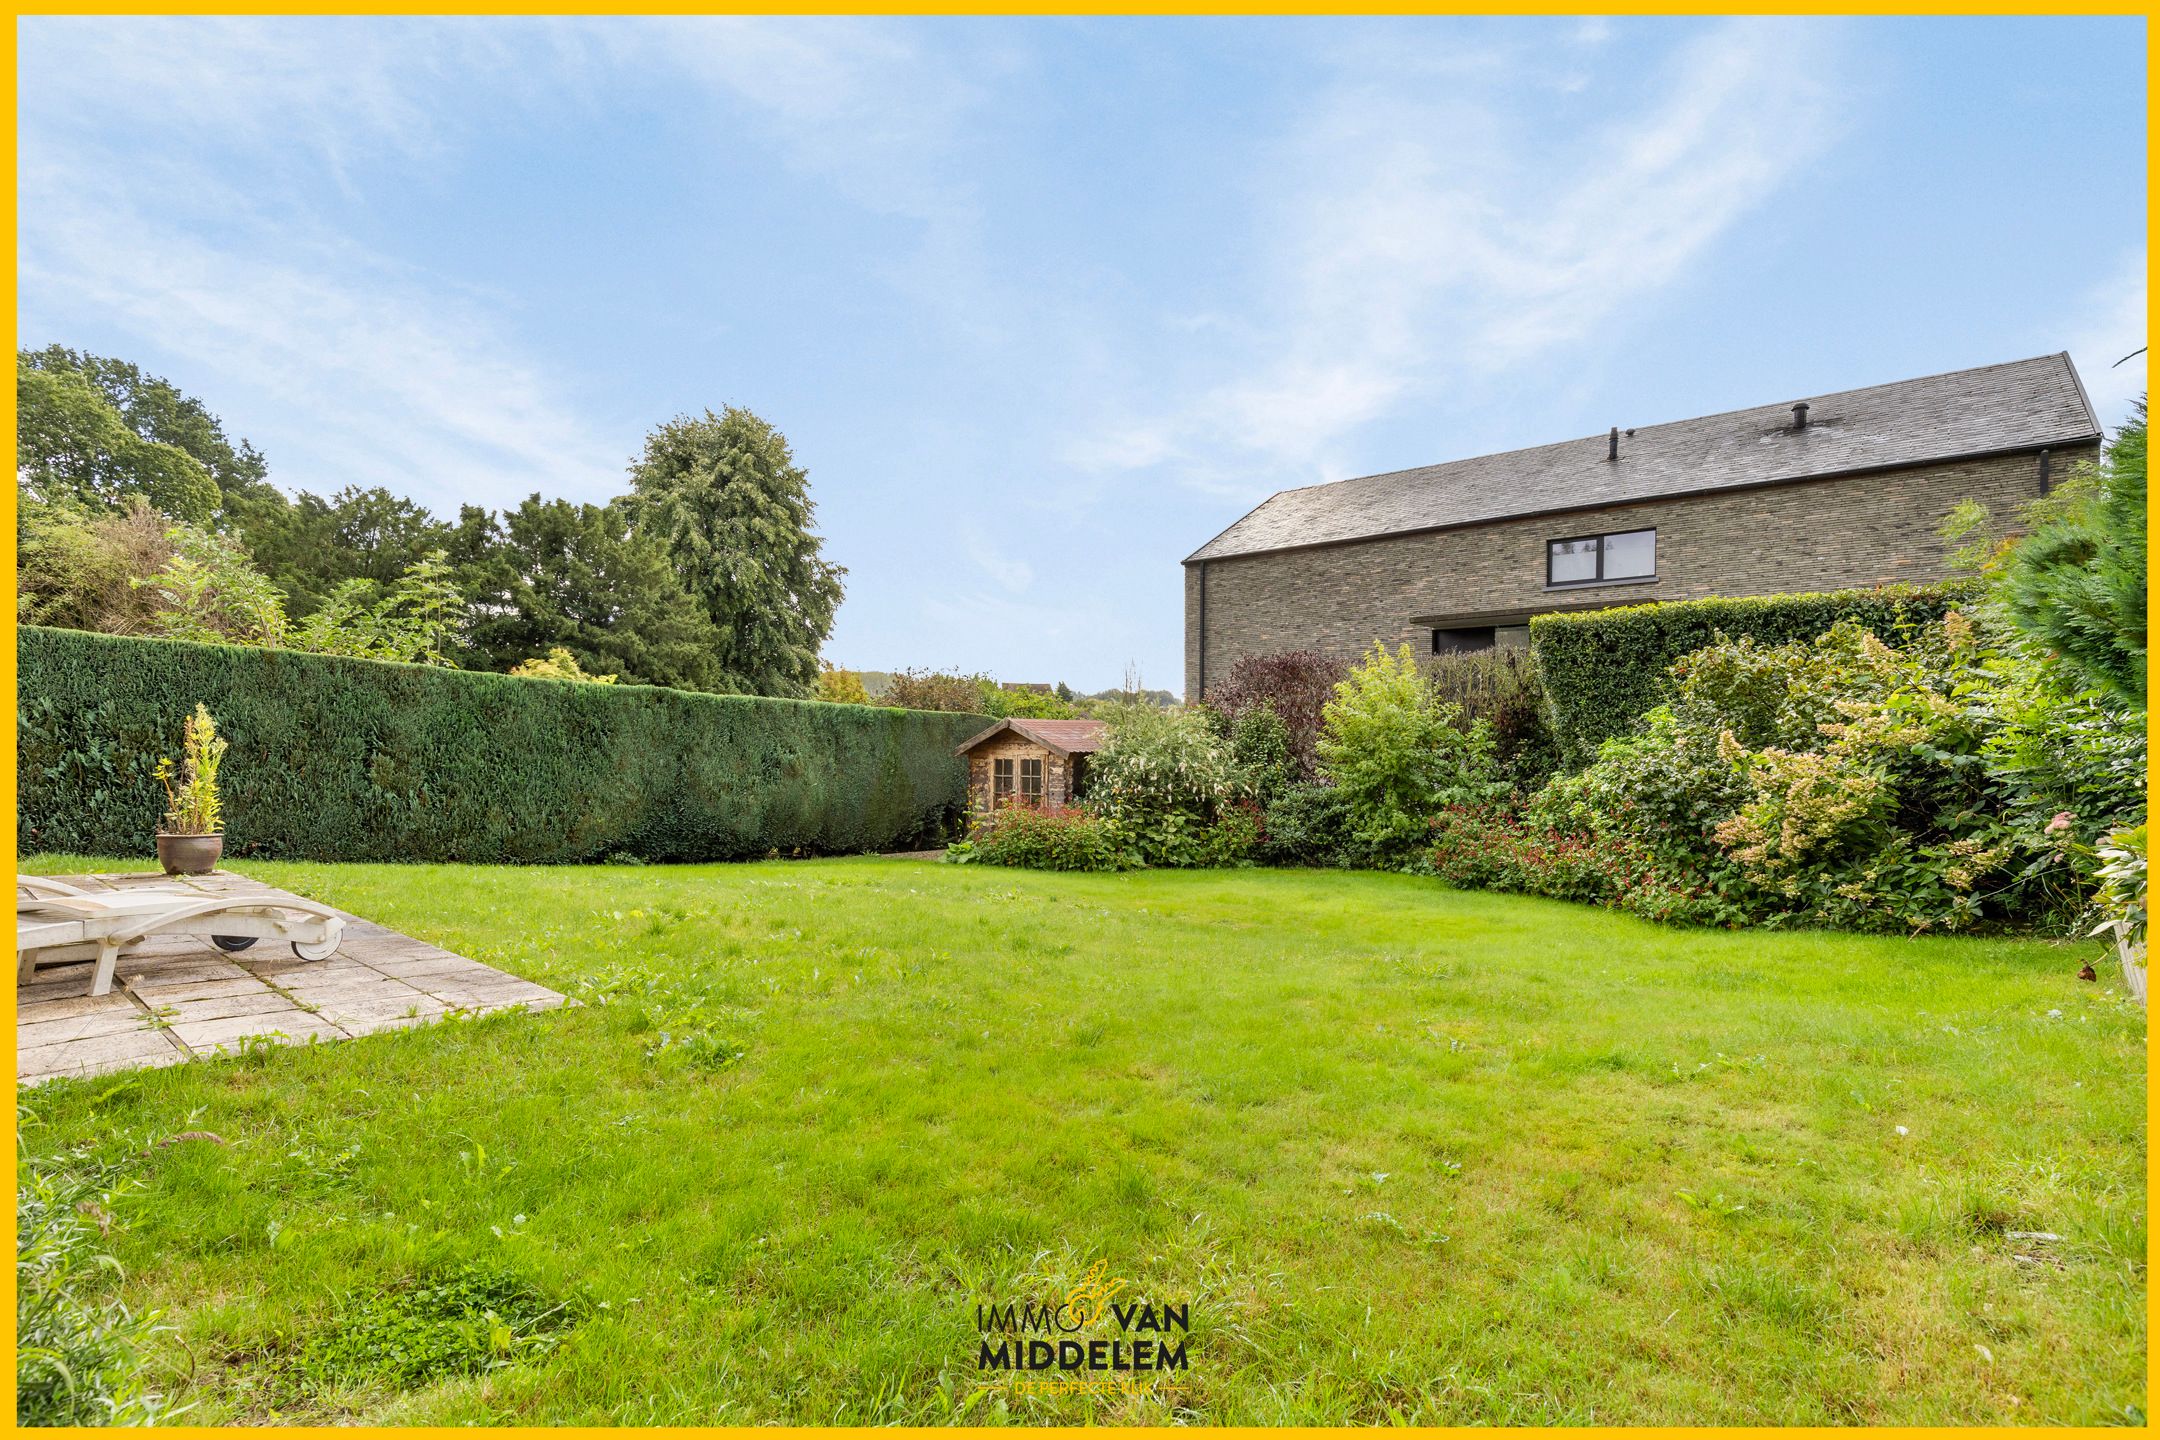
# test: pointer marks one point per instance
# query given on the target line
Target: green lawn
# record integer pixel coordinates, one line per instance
(1404, 1153)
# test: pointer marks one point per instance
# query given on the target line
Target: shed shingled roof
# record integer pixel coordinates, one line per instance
(1067, 737)
(2021, 405)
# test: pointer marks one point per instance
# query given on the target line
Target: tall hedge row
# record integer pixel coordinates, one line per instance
(1602, 669)
(336, 759)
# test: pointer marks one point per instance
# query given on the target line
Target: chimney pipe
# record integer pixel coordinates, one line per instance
(1799, 416)
(1612, 444)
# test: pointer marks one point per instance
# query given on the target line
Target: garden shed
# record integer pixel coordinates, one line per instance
(1030, 762)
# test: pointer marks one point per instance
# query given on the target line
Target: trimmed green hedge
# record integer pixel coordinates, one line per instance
(336, 759)
(1603, 669)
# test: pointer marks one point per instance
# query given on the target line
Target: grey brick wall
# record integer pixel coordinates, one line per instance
(1816, 535)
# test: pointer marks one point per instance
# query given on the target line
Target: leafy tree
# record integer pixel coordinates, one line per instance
(1023, 704)
(932, 690)
(156, 410)
(2076, 582)
(72, 444)
(725, 498)
(209, 591)
(556, 574)
(415, 618)
(79, 568)
(840, 687)
(313, 545)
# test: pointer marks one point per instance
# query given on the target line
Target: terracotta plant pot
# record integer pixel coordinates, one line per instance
(189, 854)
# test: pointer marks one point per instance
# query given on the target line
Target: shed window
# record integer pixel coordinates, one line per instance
(1001, 779)
(1031, 776)
(1599, 559)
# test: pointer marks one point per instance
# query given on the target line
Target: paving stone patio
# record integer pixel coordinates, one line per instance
(178, 999)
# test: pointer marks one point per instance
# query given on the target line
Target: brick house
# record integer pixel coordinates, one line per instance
(1830, 493)
(1029, 762)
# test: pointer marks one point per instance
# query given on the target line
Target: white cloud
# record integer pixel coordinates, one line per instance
(402, 377)
(1009, 571)
(2113, 324)
(1428, 235)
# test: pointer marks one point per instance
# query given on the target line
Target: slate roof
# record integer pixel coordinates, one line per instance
(1067, 737)
(2021, 405)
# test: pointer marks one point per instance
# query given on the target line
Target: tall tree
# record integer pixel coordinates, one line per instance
(313, 545)
(158, 411)
(71, 444)
(2076, 582)
(725, 499)
(556, 575)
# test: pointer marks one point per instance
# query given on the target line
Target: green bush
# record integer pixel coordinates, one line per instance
(1162, 780)
(343, 759)
(1308, 825)
(2076, 582)
(1034, 839)
(1501, 688)
(1845, 781)
(1399, 754)
(1260, 748)
(1602, 670)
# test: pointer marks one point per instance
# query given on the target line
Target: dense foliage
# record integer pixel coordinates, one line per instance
(1043, 839)
(1841, 781)
(725, 500)
(1170, 791)
(138, 516)
(1604, 669)
(2076, 583)
(1502, 688)
(1398, 753)
(350, 759)
(1295, 684)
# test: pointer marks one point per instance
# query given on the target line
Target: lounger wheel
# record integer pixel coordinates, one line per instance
(232, 944)
(316, 952)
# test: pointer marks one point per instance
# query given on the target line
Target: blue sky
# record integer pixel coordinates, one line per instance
(1045, 304)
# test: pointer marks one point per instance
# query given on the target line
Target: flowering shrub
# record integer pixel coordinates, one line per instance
(1397, 753)
(1161, 782)
(1038, 839)
(1928, 785)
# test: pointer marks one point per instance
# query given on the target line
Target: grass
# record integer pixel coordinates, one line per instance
(1406, 1154)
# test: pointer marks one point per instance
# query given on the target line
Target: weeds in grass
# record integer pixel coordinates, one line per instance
(78, 1356)
(465, 1322)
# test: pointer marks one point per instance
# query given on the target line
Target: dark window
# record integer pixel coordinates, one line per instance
(1031, 781)
(1596, 559)
(1001, 779)
(1456, 642)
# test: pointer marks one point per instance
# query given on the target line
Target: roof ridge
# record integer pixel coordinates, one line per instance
(1999, 408)
(1819, 395)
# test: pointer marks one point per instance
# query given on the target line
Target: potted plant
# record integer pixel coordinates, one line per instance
(192, 837)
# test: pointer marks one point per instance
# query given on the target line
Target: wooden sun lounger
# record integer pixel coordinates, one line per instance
(57, 922)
